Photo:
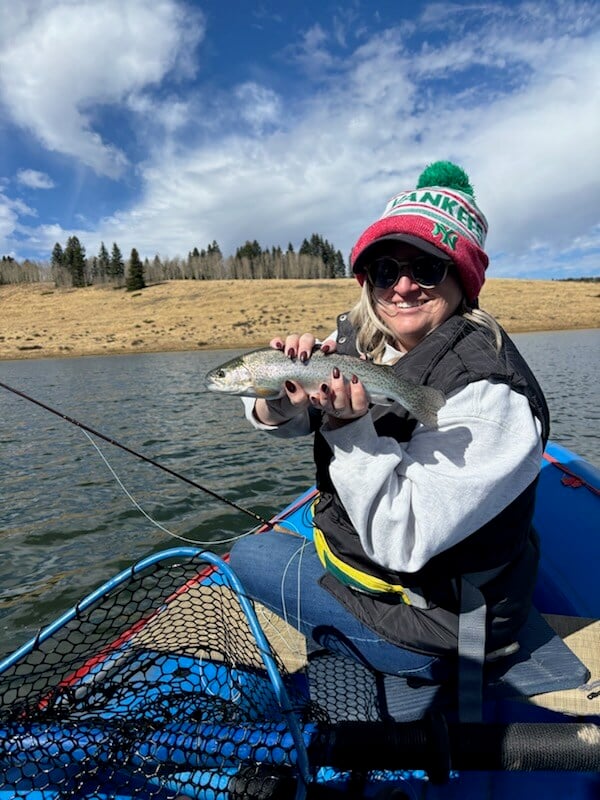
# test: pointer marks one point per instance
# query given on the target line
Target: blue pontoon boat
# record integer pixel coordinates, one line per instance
(168, 683)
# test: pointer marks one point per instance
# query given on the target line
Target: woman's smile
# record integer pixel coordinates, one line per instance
(411, 312)
(407, 304)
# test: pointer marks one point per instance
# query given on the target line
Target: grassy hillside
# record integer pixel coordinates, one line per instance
(38, 320)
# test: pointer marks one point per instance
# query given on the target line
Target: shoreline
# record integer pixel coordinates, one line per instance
(42, 356)
(42, 321)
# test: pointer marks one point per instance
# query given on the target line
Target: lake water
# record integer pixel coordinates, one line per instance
(66, 525)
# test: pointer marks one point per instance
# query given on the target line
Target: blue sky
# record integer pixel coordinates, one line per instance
(164, 125)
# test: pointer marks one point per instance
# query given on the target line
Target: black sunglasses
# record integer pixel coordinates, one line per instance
(426, 271)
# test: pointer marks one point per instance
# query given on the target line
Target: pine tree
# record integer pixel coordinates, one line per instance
(74, 261)
(305, 248)
(57, 257)
(320, 248)
(249, 250)
(135, 278)
(340, 266)
(116, 268)
(247, 257)
(57, 265)
(103, 262)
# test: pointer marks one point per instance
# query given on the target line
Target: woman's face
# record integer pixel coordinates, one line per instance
(410, 311)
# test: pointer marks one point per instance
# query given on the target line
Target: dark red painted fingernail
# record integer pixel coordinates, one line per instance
(303, 356)
(290, 386)
(336, 372)
(324, 388)
(279, 345)
(291, 353)
(354, 379)
(325, 349)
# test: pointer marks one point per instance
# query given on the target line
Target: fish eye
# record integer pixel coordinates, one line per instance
(221, 373)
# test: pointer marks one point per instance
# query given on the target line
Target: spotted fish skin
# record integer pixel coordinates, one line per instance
(263, 373)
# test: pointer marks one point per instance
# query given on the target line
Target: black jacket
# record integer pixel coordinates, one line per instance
(452, 356)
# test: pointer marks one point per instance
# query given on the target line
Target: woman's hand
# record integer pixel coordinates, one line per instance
(341, 400)
(295, 399)
(301, 346)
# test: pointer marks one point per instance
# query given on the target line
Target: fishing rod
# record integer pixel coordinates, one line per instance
(141, 456)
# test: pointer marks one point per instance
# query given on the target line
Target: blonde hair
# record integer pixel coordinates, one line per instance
(373, 334)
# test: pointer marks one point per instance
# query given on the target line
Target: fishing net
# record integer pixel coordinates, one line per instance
(162, 684)
(155, 686)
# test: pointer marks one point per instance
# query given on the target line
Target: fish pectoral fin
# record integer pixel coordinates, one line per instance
(382, 400)
(268, 394)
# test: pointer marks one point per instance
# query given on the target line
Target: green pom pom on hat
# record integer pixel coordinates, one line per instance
(445, 173)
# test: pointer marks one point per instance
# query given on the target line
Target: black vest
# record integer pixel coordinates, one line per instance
(452, 356)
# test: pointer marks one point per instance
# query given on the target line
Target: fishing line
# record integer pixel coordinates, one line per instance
(299, 552)
(298, 578)
(148, 460)
(148, 517)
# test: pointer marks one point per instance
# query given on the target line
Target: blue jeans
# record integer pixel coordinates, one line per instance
(282, 572)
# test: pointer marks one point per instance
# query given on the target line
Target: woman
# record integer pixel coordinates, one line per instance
(412, 524)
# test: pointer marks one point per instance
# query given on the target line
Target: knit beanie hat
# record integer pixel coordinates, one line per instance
(440, 217)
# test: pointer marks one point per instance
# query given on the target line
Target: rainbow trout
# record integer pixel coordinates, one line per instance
(262, 373)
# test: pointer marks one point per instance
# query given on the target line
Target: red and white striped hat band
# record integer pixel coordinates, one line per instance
(437, 219)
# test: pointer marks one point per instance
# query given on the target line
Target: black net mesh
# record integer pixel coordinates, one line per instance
(350, 692)
(156, 689)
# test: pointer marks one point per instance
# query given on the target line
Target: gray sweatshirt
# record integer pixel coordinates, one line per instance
(412, 500)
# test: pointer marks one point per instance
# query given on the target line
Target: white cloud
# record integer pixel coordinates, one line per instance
(543, 184)
(259, 106)
(328, 161)
(532, 154)
(333, 170)
(8, 220)
(312, 52)
(22, 209)
(169, 114)
(262, 14)
(61, 60)
(10, 211)
(34, 179)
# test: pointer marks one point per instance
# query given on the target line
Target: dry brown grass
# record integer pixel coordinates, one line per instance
(38, 320)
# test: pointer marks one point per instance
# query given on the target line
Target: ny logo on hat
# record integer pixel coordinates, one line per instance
(447, 235)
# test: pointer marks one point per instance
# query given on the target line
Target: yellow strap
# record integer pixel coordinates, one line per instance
(350, 575)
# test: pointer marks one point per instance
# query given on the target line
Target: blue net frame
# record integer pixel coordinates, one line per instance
(161, 683)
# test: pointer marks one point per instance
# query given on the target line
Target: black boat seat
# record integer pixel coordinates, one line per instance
(543, 663)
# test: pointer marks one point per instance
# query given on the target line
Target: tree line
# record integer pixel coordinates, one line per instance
(69, 265)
